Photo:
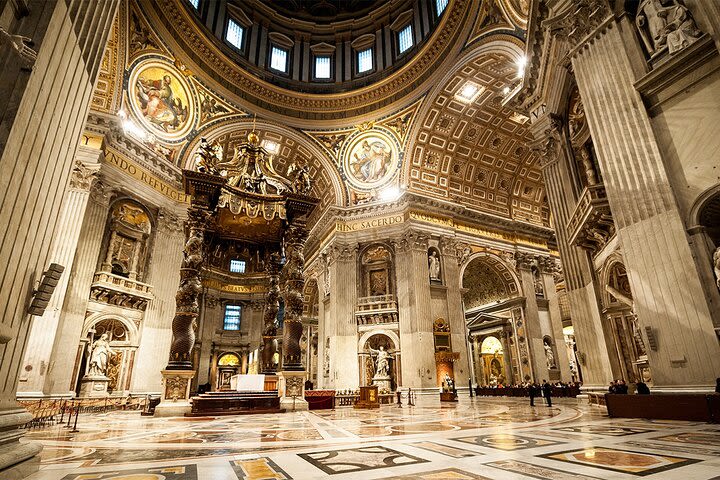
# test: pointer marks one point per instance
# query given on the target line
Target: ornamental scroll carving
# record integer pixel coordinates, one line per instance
(82, 176)
(582, 19)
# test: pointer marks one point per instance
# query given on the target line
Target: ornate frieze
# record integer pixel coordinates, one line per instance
(411, 240)
(169, 222)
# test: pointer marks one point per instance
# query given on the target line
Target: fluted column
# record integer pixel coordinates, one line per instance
(456, 312)
(43, 330)
(533, 328)
(665, 283)
(41, 119)
(209, 316)
(414, 312)
(548, 267)
(62, 372)
(163, 274)
(563, 193)
(344, 371)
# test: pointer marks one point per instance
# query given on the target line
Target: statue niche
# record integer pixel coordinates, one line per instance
(376, 266)
(127, 237)
(379, 363)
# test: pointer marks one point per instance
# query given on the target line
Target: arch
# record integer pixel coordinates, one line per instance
(614, 274)
(705, 212)
(133, 339)
(500, 267)
(491, 344)
(445, 158)
(229, 359)
(393, 336)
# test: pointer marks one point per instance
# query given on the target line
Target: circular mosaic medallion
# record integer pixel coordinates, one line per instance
(371, 159)
(160, 97)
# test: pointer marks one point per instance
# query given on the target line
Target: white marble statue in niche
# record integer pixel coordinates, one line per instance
(666, 23)
(100, 352)
(434, 265)
(716, 266)
(382, 362)
(549, 355)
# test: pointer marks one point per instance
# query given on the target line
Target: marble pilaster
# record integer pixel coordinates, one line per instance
(344, 367)
(43, 330)
(661, 269)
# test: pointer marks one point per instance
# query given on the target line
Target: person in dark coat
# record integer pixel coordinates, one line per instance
(642, 388)
(532, 388)
(547, 392)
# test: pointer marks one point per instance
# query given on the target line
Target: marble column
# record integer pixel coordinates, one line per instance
(414, 312)
(548, 266)
(345, 370)
(163, 274)
(666, 285)
(563, 191)
(62, 373)
(42, 116)
(456, 312)
(270, 326)
(209, 322)
(43, 330)
(533, 328)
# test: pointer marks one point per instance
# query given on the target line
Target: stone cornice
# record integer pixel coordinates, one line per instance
(412, 207)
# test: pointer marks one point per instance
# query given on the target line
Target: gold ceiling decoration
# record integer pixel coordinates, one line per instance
(475, 153)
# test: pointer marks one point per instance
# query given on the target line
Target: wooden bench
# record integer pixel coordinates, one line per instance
(665, 406)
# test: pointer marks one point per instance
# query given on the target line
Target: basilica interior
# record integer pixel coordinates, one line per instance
(407, 239)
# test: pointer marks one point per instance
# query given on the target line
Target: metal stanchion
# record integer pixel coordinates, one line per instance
(410, 398)
(399, 400)
(471, 389)
(77, 413)
(62, 411)
(69, 417)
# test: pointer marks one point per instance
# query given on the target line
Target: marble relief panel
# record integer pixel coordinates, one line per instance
(175, 472)
(625, 461)
(359, 459)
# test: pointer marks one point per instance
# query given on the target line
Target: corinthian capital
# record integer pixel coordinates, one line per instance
(581, 19)
(82, 176)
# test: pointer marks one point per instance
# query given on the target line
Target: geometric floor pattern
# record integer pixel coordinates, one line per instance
(480, 438)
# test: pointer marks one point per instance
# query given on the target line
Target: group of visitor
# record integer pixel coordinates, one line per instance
(543, 390)
(619, 387)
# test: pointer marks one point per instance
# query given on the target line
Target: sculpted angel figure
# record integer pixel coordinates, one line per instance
(434, 266)
(549, 355)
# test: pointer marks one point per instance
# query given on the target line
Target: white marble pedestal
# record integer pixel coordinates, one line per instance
(291, 387)
(94, 386)
(175, 401)
(383, 383)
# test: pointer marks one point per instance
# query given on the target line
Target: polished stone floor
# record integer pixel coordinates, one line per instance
(486, 438)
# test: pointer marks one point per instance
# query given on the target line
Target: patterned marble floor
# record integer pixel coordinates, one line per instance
(486, 438)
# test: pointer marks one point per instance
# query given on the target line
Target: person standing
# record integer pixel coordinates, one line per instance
(532, 388)
(547, 390)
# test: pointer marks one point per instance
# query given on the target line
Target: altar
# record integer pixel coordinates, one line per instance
(247, 383)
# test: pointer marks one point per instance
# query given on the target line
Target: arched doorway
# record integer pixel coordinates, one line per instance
(492, 362)
(371, 344)
(622, 325)
(228, 365)
(122, 336)
(494, 309)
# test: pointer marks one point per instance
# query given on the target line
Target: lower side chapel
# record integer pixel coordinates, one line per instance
(467, 239)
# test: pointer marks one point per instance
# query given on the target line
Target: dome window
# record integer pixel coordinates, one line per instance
(405, 38)
(195, 4)
(322, 67)
(365, 60)
(279, 59)
(440, 6)
(235, 34)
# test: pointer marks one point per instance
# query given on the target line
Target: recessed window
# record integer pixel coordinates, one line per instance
(195, 4)
(237, 266)
(440, 6)
(365, 62)
(235, 34)
(322, 67)
(232, 317)
(278, 59)
(405, 38)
